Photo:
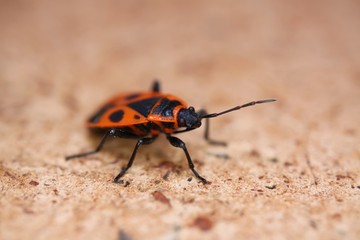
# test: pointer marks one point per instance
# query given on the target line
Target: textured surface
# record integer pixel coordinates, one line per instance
(292, 170)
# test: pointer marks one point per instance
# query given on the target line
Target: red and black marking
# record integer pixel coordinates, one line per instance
(143, 116)
(144, 106)
(96, 117)
(117, 116)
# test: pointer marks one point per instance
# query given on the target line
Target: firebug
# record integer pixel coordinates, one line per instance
(144, 115)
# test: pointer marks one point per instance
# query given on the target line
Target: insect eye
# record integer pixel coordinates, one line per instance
(191, 109)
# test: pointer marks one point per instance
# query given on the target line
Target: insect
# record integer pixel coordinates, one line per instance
(143, 116)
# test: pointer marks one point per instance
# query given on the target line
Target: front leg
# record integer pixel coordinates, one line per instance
(201, 113)
(176, 142)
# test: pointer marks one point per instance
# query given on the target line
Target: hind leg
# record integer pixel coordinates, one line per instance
(111, 132)
(141, 141)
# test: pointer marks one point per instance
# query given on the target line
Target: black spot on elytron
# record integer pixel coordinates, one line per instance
(116, 116)
(132, 96)
(144, 106)
(96, 117)
(136, 116)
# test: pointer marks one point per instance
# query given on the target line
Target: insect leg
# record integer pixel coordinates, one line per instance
(176, 142)
(156, 86)
(201, 113)
(141, 141)
(111, 132)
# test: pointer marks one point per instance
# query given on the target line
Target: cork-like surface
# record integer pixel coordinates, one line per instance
(290, 170)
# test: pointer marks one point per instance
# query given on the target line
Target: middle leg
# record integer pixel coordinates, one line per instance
(141, 141)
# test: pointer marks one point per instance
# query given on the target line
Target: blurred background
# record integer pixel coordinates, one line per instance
(243, 50)
(60, 59)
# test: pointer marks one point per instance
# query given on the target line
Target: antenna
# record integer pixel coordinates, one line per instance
(212, 115)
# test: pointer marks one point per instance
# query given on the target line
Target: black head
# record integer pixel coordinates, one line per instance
(187, 117)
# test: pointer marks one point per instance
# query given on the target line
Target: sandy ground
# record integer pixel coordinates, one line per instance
(290, 170)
